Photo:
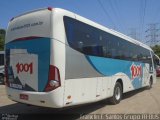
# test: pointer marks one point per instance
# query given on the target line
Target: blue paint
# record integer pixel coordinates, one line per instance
(40, 47)
(109, 67)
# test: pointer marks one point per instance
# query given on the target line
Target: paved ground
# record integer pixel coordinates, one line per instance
(139, 101)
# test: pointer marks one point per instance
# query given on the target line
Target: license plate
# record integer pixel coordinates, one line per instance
(23, 96)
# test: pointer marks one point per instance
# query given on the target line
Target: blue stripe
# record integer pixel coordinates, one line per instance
(109, 67)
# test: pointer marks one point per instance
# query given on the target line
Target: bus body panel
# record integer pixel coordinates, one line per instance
(108, 70)
(32, 24)
(26, 63)
(57, 21)
(81, 87)
(58, 56)
(45, 99)
(29, 46)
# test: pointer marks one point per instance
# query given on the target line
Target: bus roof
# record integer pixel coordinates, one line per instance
(90, 22)
(28, 13)
(114, 32)
(111, 31)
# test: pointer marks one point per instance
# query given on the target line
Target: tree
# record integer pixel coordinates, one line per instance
(2, 38)
(156, 50)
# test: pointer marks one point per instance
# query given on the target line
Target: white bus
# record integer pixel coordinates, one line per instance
(56, 58)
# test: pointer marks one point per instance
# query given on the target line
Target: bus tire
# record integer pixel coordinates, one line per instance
(117, 95)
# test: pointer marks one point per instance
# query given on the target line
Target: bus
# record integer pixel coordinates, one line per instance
(56, 58)
(1, 67)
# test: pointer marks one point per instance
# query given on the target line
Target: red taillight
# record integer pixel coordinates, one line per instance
(53, 79)
(49, 8)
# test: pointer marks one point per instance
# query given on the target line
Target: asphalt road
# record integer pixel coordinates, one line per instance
(139, 101)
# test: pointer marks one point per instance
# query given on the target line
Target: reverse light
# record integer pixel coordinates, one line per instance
(54, 79)
(54, 83)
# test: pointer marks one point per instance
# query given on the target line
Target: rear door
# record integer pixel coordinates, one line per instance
(27, 50)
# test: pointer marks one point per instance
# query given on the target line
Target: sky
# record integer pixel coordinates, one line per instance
(129, 17)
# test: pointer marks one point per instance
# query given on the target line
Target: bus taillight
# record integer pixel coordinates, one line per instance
(50, 8)
(54, 79)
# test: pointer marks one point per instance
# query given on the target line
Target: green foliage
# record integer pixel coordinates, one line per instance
(156, 50)
(2, 38)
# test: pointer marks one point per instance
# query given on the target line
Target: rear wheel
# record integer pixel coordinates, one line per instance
(117, 95)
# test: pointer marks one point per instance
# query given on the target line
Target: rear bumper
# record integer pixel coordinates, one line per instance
(51, 99)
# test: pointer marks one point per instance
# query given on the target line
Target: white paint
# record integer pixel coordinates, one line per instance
(21, 56)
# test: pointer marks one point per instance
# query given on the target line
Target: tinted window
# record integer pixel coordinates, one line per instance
(92, 41)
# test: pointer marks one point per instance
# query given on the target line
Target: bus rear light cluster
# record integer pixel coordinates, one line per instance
(54, 79)
(54, 83)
